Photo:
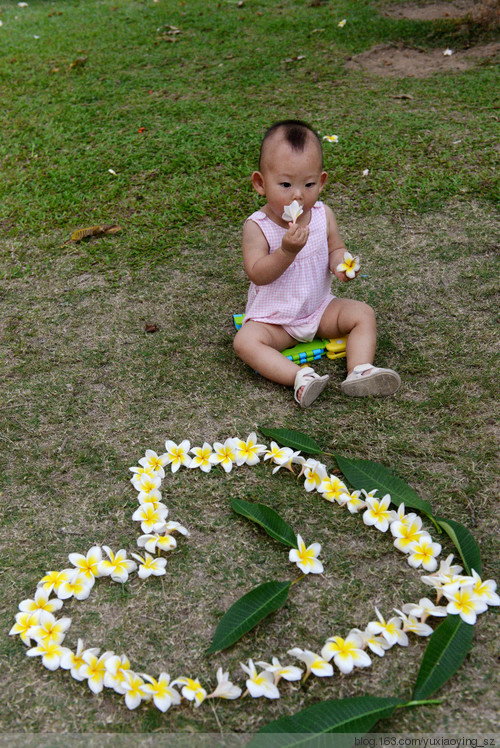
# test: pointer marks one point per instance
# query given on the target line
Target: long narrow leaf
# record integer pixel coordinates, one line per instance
(369, 475)
(293, 439)
(347, 716)
(247, 612)
(444, 654)
(465, 543)
(268, 519)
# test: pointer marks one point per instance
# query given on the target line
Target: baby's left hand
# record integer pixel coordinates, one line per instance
(348, 268)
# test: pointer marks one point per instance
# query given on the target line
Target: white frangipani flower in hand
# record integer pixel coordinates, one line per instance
(225, 689)
(118, 567)
(292, 212)
(314, 663)
(260, 684)
(347, 653)
(288, 672)
(350, 265)
(192, 690)
(306, 558)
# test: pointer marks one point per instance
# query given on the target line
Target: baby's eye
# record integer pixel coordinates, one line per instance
(285, 184)
(310, 184)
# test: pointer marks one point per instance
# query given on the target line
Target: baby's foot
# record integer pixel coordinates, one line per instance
(308, 385)
(366, 379)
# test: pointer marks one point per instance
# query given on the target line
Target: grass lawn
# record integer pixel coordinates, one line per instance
(173, 98)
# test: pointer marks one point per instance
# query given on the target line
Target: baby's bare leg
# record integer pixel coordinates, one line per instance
(356, 319)
(259, 344)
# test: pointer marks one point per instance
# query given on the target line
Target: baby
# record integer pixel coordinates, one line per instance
(290, 264)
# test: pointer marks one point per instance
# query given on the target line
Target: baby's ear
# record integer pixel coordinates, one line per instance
(258, 182)
(322, 179)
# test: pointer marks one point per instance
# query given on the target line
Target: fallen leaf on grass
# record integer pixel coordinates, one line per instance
(79, 62)
(79, 234)
(402, 96)
(151, 328)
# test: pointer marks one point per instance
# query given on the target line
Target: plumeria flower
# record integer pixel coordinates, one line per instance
(260, 684)
(411, 623)
(464, 601)
(224, 454)
(366, 172)
(138, 471)
(153, 542)
(50, 652)
(331, 488)
(161, 691)
(78, 585)
(314, 663)
(73, 661)
(377, 644)
(40, 602)
(225, 689)
(315, 473)
(391, 630)
(407, 531)
(331, 138)
(150, 566)
(294, 458)
(342, 23)
(24, 624)
(192, 690)
(423, 552)
(247, 452)
(153, 497)
(133, 685)
(177, 454)
(448, 52)
(145, 484)
(154, 462)
(118, 567)
(151, 516)
(53, 579)
(350, 265)
(352, 501)
(201, 457)
(292, 212)
(306, 558)
(88, 564)
(424, 609)
(347, 653)
(485, 591)
(115, 673)
(288, 672)
(281, 456)
(94, 669)
(49, 629)
(378, 513)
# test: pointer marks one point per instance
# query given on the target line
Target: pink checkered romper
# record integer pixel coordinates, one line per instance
(298, 298)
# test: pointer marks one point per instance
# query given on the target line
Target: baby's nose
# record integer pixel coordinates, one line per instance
(298, 194)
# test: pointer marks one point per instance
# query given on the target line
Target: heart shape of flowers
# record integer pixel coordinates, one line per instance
(43, 633)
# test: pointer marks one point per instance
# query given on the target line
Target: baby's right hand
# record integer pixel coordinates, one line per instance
(295, 238)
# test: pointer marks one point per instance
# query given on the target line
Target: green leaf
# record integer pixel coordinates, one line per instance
(444, 654)
(465, 543)
(293, 439)
(247, 612)
(268, 519)
(369, 475)
(347, 716)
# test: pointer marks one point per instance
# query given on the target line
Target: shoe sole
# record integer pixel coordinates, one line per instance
(312, 390)
(379, 384)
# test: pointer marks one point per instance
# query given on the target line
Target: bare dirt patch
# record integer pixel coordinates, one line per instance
(431, 11)
(399, 61)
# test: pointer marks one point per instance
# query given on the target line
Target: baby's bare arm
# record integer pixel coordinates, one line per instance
(260, 266)
(336, 246)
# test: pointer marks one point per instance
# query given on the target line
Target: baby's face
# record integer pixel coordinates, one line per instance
(287, 175)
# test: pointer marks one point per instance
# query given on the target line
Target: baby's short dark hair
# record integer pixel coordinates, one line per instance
(296, 133)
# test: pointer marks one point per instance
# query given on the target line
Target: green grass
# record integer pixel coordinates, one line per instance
(85, 390)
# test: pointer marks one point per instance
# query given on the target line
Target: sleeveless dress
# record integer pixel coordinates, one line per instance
(298, 298)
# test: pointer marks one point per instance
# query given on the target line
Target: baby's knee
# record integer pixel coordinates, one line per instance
(240, 344)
